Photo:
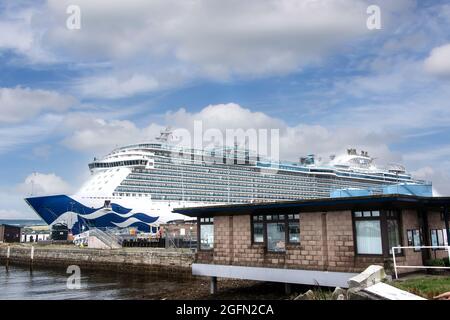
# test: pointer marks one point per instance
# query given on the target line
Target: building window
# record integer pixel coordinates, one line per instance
(394, 235)
(258, 229)
(276, 230)
(368, 237)
(294, 228)
(438, 237)
(414, 239)
(276, 236)
(206, 233)
(376, 232)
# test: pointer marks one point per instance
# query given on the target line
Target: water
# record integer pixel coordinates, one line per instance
(23, 222)
(50, 284)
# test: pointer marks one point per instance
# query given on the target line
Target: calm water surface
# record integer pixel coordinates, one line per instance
(49, 284)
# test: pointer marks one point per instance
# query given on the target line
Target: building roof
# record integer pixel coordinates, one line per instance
(321, 204)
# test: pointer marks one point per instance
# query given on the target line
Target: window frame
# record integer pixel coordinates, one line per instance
(265, 221)
(252, 227)
(207, 221)
(266, 242)
(365, 218)
(295, 218)
(412, 231)
(437, 231)
(383, 218)
(397, 217)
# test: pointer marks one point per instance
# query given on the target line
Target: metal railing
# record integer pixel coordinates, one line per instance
(418, 267)
(180, 242)
(107, 238)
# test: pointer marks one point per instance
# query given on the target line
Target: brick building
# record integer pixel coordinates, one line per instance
(10, 233)
(319, 240)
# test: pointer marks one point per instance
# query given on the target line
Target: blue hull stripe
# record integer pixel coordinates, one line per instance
(49, 208)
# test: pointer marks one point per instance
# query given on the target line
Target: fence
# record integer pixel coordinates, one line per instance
(418, 267)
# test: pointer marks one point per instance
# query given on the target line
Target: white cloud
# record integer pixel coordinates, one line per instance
(39, 184)
(439, 177)
(112, 86)
(35, 184)
(18, 104)
(15, 36)
(165, 42)
(19, 33)
(38, 130)
(385, 97)
(223, 116)
(219, 38)
(100, 135)
(438, 62)
(154, 45)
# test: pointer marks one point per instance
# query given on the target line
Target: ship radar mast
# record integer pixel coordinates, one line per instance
(165, 135)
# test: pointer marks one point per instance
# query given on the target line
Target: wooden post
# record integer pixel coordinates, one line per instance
(447, 228)
(423, 224)
(8, 253)
(287, 288)
(213, 286)
(31, 258)
(446, 222)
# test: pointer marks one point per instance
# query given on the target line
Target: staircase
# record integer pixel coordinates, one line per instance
(108, 238)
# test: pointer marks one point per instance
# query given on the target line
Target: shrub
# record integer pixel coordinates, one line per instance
(446, 262)
(435, 263)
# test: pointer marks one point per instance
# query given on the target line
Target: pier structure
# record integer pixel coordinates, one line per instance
(170, 263)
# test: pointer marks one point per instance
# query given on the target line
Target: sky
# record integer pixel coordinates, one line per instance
(310, 68)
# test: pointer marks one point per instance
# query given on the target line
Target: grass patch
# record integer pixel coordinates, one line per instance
(425, 286)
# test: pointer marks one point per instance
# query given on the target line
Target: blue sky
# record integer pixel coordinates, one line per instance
(310, 68)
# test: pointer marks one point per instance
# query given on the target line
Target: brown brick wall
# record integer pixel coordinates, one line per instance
(326, 243)
(409, 221)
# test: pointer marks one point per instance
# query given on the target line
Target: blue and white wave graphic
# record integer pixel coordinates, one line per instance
(50, 208)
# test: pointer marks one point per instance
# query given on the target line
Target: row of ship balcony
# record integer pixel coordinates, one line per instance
(234, 177)
(239, 171)
(213, 197)
(205, 185)
(204, 164)
(167, 175)
(214, 181)
(288, 166)
(198, 191)
(225, 189)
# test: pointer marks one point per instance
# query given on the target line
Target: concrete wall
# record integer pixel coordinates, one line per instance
(326, 243)
(153, 261)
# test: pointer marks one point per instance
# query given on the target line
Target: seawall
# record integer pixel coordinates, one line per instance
(171, 263)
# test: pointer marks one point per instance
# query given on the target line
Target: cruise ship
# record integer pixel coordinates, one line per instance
(138, 185)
